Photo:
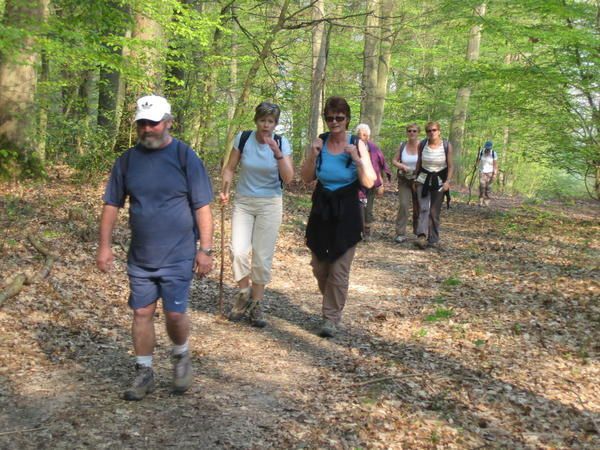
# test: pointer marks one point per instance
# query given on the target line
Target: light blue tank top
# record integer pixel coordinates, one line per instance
(332, 171)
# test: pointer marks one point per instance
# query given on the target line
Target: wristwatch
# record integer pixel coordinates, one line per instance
(206, 251)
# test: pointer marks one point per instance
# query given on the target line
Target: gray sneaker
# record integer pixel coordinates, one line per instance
(241, 304)
(142, 384)
(328, 328)
(400, 239)
(182, 372)
(257, 318)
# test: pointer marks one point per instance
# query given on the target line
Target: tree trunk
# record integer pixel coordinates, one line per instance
(242, 103)
(459, 117)
(319, 64)
(205, 135)
(379, 38)
(18, 80)
(43, 113)
(111, 93)
(150, 59)
(370, 58)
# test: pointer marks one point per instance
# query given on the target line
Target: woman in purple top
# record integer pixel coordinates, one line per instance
(367, 196)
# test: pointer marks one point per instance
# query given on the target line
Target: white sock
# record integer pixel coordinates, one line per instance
(145, 361)
(179, 349)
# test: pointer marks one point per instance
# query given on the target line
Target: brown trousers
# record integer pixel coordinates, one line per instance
(407, 200)
(333, 280)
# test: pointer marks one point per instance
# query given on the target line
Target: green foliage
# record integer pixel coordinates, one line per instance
(451, 281)
(440, 314)
(533, 87)
(15, 164)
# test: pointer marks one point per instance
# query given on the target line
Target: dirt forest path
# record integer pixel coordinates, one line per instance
(491, 343)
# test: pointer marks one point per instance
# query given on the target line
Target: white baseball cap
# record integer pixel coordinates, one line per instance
(152, 107)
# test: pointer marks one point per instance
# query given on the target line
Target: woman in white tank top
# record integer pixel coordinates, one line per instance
(406, 161)
(434, 172)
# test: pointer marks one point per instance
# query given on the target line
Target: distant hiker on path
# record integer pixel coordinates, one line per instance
(363, 131)
(265, 161)
(406, 162)
(169, 208)
(488, 171)
(341, 164)
(434, 172)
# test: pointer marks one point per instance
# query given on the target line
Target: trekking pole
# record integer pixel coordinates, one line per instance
(225, 190)
(473, 173)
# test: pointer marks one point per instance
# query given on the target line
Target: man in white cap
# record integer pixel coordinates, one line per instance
(169, 210)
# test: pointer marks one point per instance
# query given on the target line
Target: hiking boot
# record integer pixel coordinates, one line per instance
(142, 384)
(182, 372)
(421, 242)
(486, 202)
(328, 329)
(480, 201)
(366, 234)
(257, 318)
(400, 239)
(241, 304)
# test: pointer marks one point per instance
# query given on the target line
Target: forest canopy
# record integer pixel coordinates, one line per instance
(523, 74)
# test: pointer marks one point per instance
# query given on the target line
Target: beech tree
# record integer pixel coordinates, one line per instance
(18, 77)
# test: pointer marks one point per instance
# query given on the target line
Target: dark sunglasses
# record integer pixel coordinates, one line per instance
(335, 118)
(412, 131)
(431, 130)
(144, 122)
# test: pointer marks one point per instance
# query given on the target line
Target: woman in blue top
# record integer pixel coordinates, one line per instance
(341, 164)
(265, 165)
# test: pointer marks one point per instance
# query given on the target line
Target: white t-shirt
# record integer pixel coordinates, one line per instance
(259, 171)
(486, 161)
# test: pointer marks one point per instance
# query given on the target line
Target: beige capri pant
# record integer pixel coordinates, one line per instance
(254, 230)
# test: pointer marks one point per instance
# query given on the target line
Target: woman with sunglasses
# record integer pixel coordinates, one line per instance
(406, 162)
(434, 172)
(341, 164)
(265, 161)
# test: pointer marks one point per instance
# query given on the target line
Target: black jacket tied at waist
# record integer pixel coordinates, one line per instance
(335, 221)
(432, 183)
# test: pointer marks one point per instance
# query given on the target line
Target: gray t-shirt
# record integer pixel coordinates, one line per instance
(163, 196)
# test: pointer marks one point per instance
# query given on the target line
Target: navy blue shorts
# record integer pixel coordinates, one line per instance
(171, 283)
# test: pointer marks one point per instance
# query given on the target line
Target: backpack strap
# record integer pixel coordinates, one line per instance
(279, 141)
(243, 139)
(324, 136)
(422, 145)
(124, 165)
(182, 156)
(402, 147)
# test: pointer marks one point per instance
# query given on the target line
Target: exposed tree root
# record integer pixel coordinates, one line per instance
(21, 279)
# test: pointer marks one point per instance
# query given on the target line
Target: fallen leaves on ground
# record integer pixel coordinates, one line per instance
(491, 342)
